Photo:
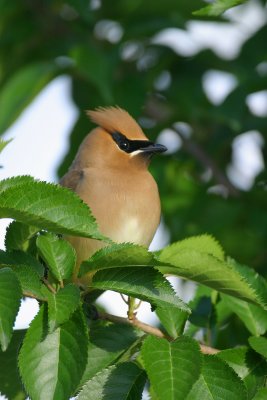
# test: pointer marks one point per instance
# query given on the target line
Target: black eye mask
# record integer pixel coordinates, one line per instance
(129, 146)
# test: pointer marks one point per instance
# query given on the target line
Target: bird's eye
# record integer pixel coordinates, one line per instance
(122, 142)
(124, 145)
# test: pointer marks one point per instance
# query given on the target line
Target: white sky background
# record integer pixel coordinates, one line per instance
(41, 133)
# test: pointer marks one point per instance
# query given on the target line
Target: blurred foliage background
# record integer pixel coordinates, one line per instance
(114, 53)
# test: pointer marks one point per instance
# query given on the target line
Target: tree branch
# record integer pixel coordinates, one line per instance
(148, 329)
(200, 155)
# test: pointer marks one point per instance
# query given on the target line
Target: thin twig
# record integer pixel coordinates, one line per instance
(123, 298)
(50, 287)
(138, 305)
(200, 155)
(148, 329)
(208, 350)
(135, 322)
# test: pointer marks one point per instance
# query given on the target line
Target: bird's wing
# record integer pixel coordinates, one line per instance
(71, 179)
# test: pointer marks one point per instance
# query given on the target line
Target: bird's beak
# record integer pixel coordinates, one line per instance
(153, 148)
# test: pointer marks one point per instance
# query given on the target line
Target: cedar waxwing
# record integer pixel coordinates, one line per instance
(110, 174)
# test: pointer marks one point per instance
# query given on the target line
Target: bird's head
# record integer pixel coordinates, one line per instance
(118, 140)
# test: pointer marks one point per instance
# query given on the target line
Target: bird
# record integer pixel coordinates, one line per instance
(110, 174)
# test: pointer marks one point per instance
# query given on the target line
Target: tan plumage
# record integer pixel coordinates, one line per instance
(116, 185)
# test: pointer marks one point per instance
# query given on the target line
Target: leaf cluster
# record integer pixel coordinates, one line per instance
(74, 348)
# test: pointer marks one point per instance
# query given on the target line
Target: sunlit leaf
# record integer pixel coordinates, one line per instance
(47, 206)
(217, 381)
(58, 254)
(217, 7)
(172, 367)
(18, 235)
(145, 284)
(187, 260)
(51, 364)
(259, 344)
(62, 304)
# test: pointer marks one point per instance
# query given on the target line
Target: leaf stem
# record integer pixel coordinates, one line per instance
(123, 298)
(131, 308)
(50, 287)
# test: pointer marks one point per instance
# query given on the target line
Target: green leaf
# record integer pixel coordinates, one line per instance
(261, 394)
(259, 344)
(172, 367)
(62, 304)
(10, 382)
(173, 320)
(217, 381)
(94, 66)
(248, 365)
(51, 364)
(58, 254)
(118, 255)
(204, 243)
(145, 284)
(218, 7)
(4, 143)
(30, 281)
(15, 181)
(18, 236)
(187, 260)
(28, 271)
(256, 281)
(9, 258)
(253, 317)
(123, 381)
(106, 344)
(10, 297)
(21, 88)
(46, 206)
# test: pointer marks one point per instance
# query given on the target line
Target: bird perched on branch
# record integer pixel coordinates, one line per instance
(110, 174)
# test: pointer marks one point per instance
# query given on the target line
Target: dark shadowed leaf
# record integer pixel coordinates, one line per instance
(10, 382)
(106, 344)
(123, 381)
(17, 257)
(248, 365)
(10, 297)
(254, 317)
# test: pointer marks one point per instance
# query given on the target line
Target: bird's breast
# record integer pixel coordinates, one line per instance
(126, 208)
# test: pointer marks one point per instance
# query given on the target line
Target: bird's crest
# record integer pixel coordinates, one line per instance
(115, 119)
